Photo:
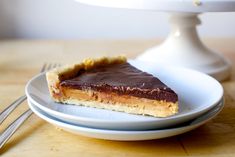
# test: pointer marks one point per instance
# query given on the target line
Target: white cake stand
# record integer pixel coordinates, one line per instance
(183, 46)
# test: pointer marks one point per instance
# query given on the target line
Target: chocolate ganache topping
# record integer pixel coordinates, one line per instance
(123, 79)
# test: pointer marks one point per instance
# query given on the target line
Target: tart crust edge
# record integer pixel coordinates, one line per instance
(55, 76)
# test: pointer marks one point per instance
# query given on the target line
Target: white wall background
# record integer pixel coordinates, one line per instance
(67, 19)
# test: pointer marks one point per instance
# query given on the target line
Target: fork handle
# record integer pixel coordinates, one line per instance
(10, 130)
(10, 108)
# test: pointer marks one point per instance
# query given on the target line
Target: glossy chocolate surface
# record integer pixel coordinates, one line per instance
(123, 79)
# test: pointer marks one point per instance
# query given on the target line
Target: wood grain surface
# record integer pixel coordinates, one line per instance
(20, 60)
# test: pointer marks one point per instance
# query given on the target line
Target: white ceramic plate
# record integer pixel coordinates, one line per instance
(128, 135)
(197, 6)
(197, 93)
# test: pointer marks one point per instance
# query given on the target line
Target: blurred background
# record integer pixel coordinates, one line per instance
(68, 19)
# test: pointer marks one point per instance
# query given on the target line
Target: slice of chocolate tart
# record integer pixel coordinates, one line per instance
(112, 84)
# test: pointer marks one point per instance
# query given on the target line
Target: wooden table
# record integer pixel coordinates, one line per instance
(20, 60)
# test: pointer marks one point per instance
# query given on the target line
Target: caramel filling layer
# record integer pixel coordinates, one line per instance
(140, 105)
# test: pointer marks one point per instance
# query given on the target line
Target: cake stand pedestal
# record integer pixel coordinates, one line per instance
(183, 46)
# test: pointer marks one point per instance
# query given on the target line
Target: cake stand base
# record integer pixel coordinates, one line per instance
(184, 48)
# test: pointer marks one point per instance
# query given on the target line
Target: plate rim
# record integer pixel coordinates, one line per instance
(219, 107)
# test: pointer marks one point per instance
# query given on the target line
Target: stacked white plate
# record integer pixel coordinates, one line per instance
(200, 99)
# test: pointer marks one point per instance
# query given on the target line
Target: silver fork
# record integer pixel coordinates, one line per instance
(11, 129)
